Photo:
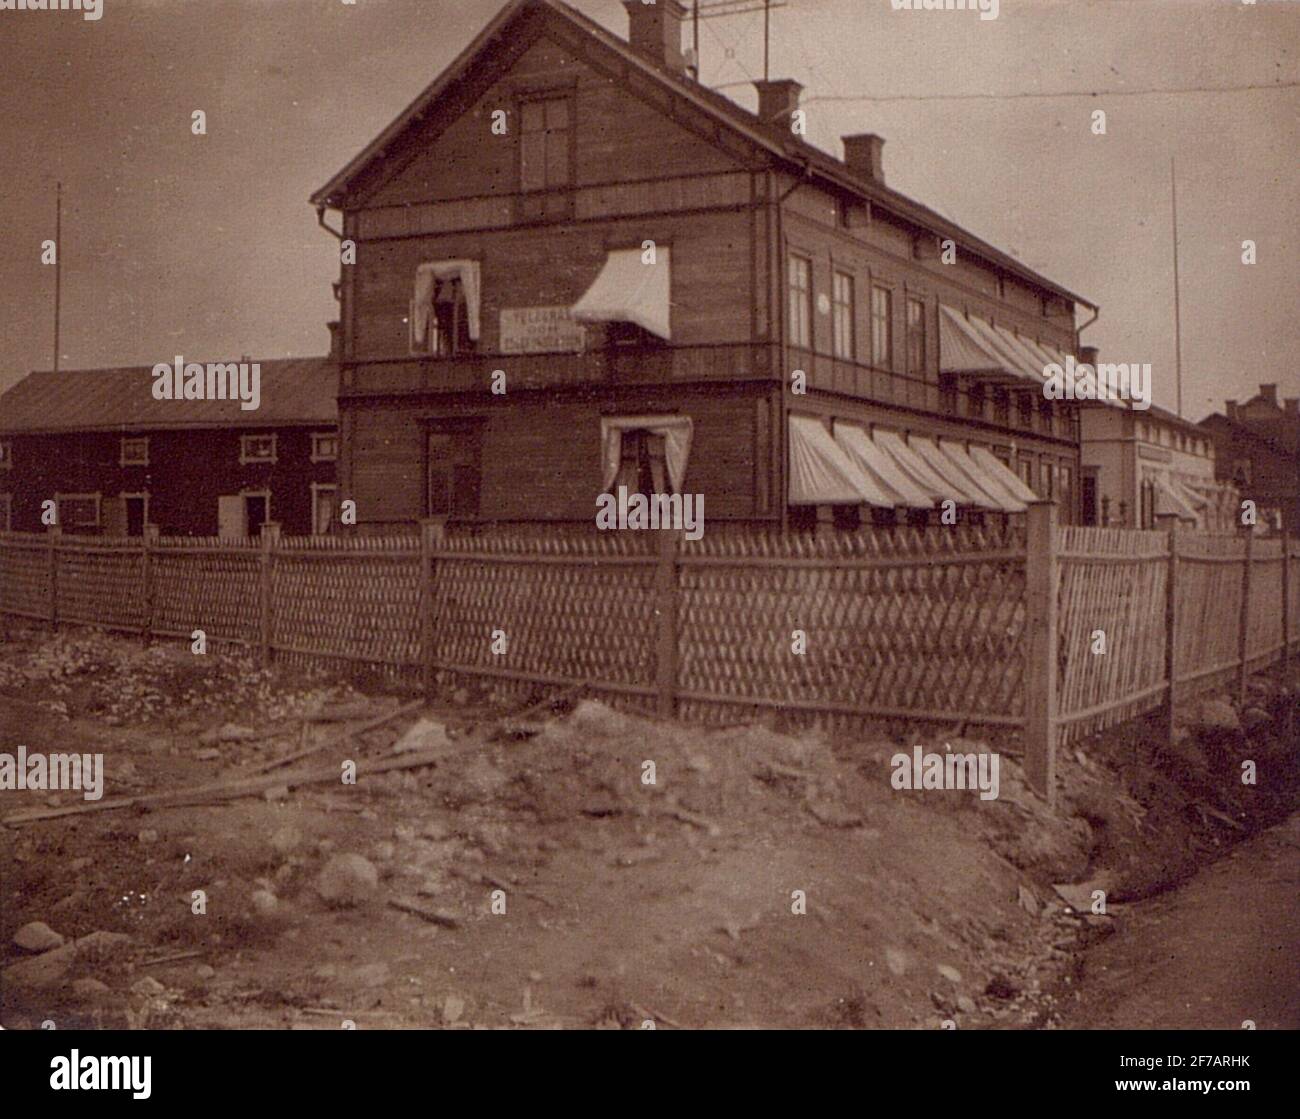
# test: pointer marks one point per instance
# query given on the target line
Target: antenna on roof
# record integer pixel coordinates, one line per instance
(58, 266)
(1178, 330)
(715, 9)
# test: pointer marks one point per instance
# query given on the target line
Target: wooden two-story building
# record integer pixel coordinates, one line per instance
(577, 267)
(115, 460)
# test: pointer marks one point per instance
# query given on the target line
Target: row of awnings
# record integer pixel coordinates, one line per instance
(853, 467)
(1175, 498)
(976, 347)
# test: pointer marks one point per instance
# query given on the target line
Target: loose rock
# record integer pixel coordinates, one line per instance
(37, 936)
(347, 880)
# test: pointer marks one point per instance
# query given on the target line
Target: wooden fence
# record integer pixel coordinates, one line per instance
(1054, 632)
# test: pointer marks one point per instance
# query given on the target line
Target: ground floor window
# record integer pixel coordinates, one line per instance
(77, 510)
(454, 469)
(324, 507)
(243, 514)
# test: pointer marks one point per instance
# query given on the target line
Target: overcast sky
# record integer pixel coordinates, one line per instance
(207, 247)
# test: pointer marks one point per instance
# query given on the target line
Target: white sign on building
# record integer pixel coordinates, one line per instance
(541, 330)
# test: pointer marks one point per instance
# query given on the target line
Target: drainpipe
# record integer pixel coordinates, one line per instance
(783, 434)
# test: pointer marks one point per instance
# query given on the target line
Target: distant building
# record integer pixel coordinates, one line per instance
(1141, 467)
(114, 459)
(1258, 448)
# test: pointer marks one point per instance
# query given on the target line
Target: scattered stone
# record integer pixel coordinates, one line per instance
(37, 936)
(211, 754)
(1029, 901)
(385, 851)
(347, 880)
(950, 973)
(265, 903)
(102, 945)
(896, 960)
(90, 990)
(39, 972)
(966, 1004)
(436, 830)
(1216, 714)
(370, 975)
(205, 971)
(424, 734)
(277, 792)
(286, 840)
(1000, 987)
(453, 1006)
(148, 836)
(148, 988)
(80, 864)
(231, 732)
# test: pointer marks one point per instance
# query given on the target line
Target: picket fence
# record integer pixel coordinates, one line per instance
(1049, 632)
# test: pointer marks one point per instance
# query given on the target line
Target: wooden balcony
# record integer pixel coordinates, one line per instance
(652, 364)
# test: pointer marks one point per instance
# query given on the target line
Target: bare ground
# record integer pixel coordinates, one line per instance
(624, 901)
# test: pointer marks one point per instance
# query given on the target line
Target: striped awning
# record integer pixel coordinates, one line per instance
(822, 474)
(963, 350)
(1010, 480)
(986, 482)
(880, 467)
(960, 488)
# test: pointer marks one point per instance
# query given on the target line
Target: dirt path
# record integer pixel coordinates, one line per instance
(1222, 949)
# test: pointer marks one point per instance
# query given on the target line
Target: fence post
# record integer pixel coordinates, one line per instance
(270, 538)
(146, 577)
(1171, 630)
(1244, 621)
(666, 609)
(55, 536)
(1040, 649)
(433, 532)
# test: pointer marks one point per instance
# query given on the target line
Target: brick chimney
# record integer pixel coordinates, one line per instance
(1230, 406)
(777, 99)
(655, 31)
(1269, 393)
(863, 154)
(1088, 356)
(1291, 405)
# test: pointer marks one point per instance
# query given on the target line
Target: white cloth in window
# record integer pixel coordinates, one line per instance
(676, 432)
(427, 276)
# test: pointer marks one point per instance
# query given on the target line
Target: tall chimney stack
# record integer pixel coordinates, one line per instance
(864, 155)
(1269, 393)
(777, 100)
(655, 31)
(1230, 406)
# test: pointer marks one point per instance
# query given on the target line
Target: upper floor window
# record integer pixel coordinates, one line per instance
(916, 336)
(324, 446)
(1045, 416)
(444, 318)
(256, 448)
(842, 312)
(882, 327)
(1001, 406)
(800, 285)
(1025, 408)
(6, 454)
(544, 144)
(134, 452)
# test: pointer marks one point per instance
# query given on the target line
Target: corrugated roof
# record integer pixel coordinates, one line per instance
(293, 391)
(782, 143)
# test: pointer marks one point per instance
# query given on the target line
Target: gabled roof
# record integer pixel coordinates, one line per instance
(294, 391)
(779, 143)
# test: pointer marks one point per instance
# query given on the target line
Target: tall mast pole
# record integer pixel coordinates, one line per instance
(58, 268)
(1178, 327)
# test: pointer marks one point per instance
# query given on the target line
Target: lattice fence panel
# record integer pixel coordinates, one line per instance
(572, 606)
(102, 583)
(905, 622)
(1112, 587)
(209, 584)
(1264, 614)
(350, 599)
(24, 575)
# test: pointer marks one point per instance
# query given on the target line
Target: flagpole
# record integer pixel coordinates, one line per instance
(1178, 328)
(58, 268)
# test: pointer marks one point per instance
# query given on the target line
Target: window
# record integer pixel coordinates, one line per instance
(449, 324)
(256, 448)
(1025, 409)
(975, 400)
(454, 456)
(6, 454)
(643, 466)
(6, 512)
(444, 318)
(324, 504)
(842, 320)
(916, 336)
(134, 452)
(1067, 494)
(77, 510)
(948, 392)
(800, 284)
(544, 136)
(1027, 471)
(1045, 416)
(1001, 406)
(882, 328)
(324, 446)
(1046, 475)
